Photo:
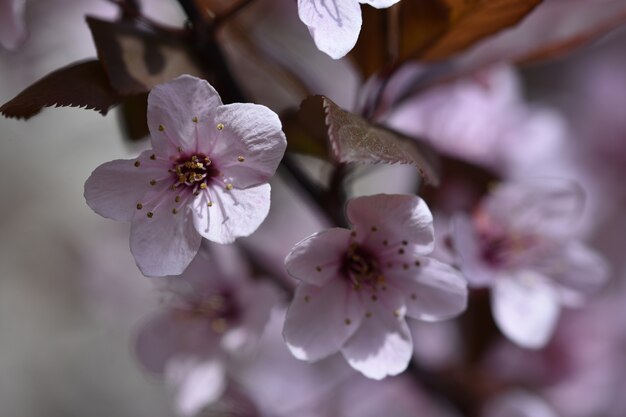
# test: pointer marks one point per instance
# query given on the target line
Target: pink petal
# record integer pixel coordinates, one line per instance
(468, 248)
(525, 308)
(12, 28)
(549, 207)
(382, 345)
(172, 108)
(171, 334)
(395, 218)
(578, 272)
(317, 259)
(321, 319)
(232, 214)
(335, 25)
(164, 244)
(115, 188)
(250, 145)
(258, 300)
(518, 403)
(379, 4)
(196, 383)
(433, 291)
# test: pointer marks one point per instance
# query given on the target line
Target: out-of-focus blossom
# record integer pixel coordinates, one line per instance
(521, 243)
(518, 404)
(206, 175)
(335, 25)
(358, 286)
(282, 386)
(481, 118)
(12, 28)
(215, 316)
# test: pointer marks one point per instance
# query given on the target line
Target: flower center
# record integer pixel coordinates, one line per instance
(220, 309)
(194, 171)
(360, 267)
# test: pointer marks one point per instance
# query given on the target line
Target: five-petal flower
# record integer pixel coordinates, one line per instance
(521, 243)
(359, 285)
(206, 175)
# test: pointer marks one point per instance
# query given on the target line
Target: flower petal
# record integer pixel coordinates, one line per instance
(164, 244)
(196, 383)
(172, 108)
(334, 25)
(468, 249)
(398, 217)
(251, 143)
(382, 345)
(169, 334)
(525, 308)
(320, 319)
(317, 259)
(222, 216)
(577, 270)
(115, 188)
(433, 291)
(547, 207)
(379, 4)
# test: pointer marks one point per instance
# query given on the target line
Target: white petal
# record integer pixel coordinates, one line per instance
(173, 106)
(525, 308)
(317, 258)
(196, 383)
(334, 24)
(382, 346)
(164, 244)
(398, 217)
(115, 188)
(321, 319)
(433, 291)
(251, 143)
(232, 214)
(379, 4)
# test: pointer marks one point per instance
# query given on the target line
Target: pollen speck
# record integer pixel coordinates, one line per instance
(203, 186)
(177, 199)
(306, 298)
(174, 211)
(209, 204)
(374, 297)
(401, 251)
(404, 242)
(374, 228)
(417, 263)
(229, 187)
(194, 119)
(220, 126)
(347, 321)
(179, 149)
(137, 163)
(413, 297)
(161, 128)
(150, 214)
(152, 182)
(318, 268)
(405, 266)
(241, 158)
(368, 314)
(153, 157)
(139, 206)
(385, 242)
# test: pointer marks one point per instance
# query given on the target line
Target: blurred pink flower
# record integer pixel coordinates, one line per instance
(216, 315)
(335, 25)
(12, 28)
(518, 403)
(358, 286)
(521, 243)
(205, 176)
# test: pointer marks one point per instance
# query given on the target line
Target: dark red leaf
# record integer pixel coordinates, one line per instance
(82, 84)
(137, 59)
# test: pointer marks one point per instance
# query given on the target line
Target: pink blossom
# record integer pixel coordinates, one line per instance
(335, 25)
(358, 286)
(205, 176)
(521, 242)
(215, 316)
(518, 403)
(12, 28)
